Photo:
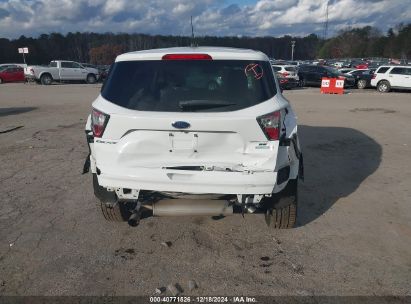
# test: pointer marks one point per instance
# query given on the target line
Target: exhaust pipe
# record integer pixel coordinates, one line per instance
(134, 219)
(184, 207)
(135, 216)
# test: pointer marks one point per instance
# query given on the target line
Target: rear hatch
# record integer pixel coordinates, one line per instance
(291, 71)
(196, 115)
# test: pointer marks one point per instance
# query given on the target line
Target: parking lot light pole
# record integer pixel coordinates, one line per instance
(292, 50)
(23, 50)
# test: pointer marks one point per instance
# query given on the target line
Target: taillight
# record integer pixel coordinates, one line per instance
(271, 125)
(187, 57)
(99, 122)
(373, 76)
(285, 74)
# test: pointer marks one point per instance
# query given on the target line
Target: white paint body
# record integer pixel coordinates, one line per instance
(400, 81)
(137, 146)
(282, 69)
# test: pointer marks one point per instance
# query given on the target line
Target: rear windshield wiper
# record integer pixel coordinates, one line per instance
(203, 104)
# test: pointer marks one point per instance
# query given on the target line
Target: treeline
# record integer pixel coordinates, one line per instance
(369, 42)
(103, 48)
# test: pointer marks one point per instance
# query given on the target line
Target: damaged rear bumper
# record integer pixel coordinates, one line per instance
(197, 182)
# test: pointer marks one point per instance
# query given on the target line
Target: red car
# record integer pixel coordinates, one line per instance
(362, 66)
(12, 74)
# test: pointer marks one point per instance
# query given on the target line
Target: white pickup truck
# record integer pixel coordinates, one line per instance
(59, 70)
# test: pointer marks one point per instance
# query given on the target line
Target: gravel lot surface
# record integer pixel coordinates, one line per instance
(354, 226)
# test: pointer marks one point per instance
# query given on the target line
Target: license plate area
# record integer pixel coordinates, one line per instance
(180, 141)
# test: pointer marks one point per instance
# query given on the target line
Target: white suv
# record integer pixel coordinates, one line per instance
(194, 131)
(288, 72)
(386, 78)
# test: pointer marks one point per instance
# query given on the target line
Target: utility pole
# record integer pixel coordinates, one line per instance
(292, 50)
(326, 22)
(192, 33)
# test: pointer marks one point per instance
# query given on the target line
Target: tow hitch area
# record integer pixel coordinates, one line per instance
(196, 206)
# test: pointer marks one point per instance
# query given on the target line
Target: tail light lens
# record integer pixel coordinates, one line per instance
(271, 125)
(99, 122)
(285, 74)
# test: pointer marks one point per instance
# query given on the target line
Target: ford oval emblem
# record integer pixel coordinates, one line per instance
(181, 125)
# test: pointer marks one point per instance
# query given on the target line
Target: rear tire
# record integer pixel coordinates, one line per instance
(46, 79)
(383, 86)
(107, 202)
(361, 84)
(112, 212)
(283, 211)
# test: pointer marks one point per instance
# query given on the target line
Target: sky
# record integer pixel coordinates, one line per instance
(210, 17)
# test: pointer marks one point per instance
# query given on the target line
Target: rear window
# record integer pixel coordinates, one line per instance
(189, 85)
(290, 69)
(382, 70)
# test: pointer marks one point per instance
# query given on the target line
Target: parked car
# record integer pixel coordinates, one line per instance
(280, 62)
(165, 138)
(285, 84)
(346, 70)
(288, 73)
(5, 65)
(311, 75)
(295, 63)
(102, 70)
(59, 70)
(361, 66)
(12, 74)
(355, 62)
(338, 64)
(386, 78)
(362, 78)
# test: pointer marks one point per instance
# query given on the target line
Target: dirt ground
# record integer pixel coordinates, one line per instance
(354, 222)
